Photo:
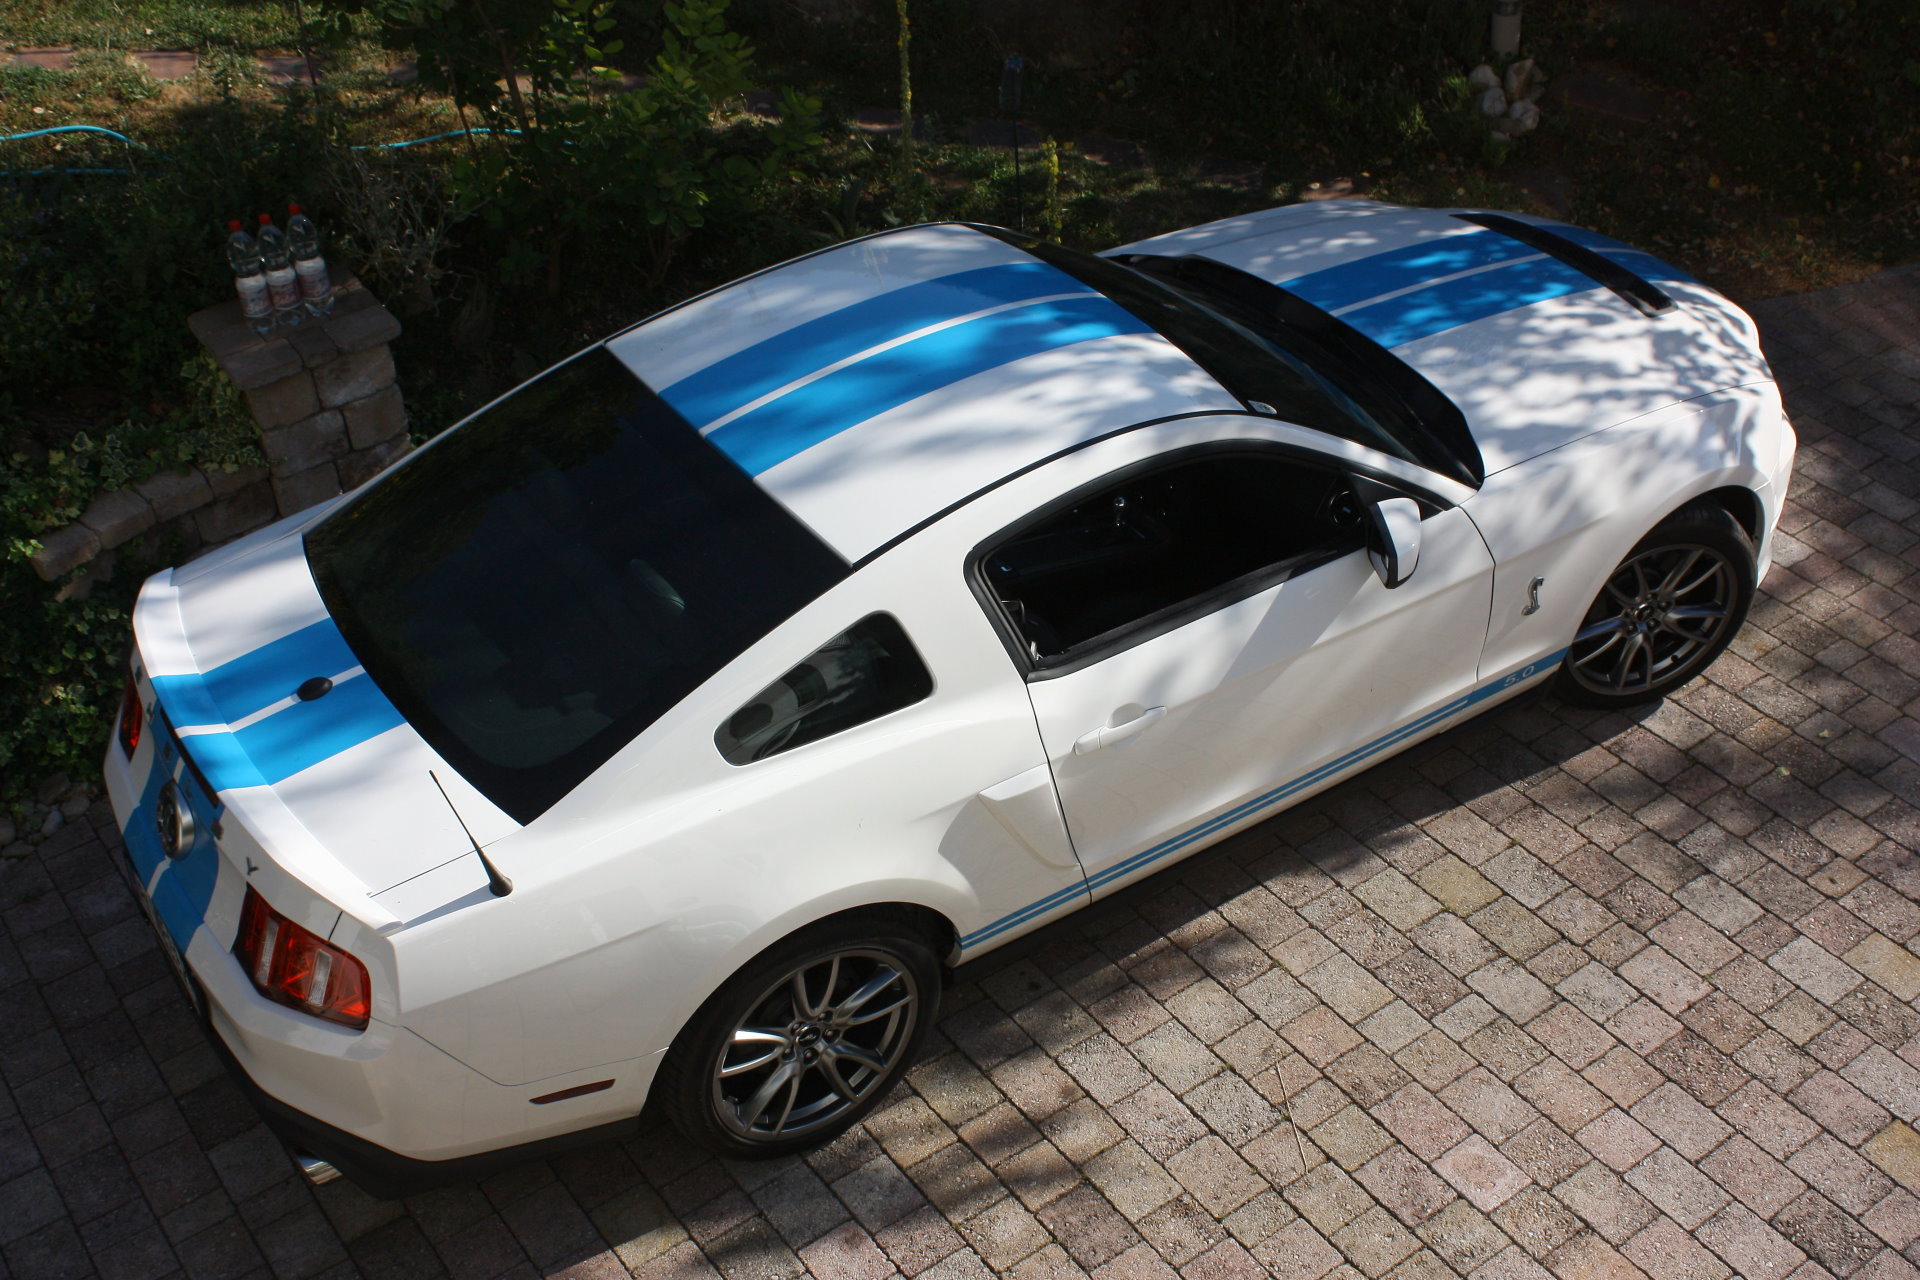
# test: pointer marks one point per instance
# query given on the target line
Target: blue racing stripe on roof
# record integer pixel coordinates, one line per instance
(1456, 302)
(746, 375)
(822, 409)
(1369, 277)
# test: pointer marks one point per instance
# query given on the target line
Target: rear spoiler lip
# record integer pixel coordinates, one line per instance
(1640, 293)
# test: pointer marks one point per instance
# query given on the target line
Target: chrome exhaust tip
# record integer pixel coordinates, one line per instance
(316, 1171)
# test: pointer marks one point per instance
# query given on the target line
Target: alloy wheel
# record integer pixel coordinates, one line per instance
(815, 1044)
(1660, 612)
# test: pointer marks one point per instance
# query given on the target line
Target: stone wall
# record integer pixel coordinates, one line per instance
(330, 416)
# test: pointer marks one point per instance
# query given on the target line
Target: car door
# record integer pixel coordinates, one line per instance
(1208, 640)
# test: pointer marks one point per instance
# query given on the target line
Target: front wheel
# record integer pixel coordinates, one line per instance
(801, 1044)
(1665, 613)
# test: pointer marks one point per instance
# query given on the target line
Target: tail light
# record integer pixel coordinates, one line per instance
(131, 717)
(296, 967)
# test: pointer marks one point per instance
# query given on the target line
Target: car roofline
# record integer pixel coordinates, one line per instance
(1439, 496)
(981, 227)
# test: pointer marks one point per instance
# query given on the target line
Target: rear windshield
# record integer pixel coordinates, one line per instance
(537, 588)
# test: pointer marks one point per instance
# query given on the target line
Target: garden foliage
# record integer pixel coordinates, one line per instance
(98, 273)
(565, 174)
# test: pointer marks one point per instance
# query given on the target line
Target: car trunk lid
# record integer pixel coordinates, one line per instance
(291, 735)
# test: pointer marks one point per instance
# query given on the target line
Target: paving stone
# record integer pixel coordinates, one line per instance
(1677, 1188)
(1480, 1173)
(1462, 1236)
(1489, 1105)
(1759, 1181)
(1544, 1153)
(1896, 1149)
(1827, 1234)
(1681, 937)
(1215, 1176)
(1405, 1185)
(1840, 1107)
(1605, 1202)
(1832, 1169)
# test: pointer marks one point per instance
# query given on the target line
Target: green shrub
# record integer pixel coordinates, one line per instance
(565, 173)
(62, 651)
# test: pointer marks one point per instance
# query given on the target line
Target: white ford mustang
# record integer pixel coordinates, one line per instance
(668, 728)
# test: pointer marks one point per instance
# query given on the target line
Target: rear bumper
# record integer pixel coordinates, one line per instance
(388, 1174)
(384, 1106)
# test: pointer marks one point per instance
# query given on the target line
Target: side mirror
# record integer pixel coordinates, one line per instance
(1393, 538)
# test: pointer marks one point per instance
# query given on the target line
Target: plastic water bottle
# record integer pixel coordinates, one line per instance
(316, 288)
(282, 283)
(249, 279)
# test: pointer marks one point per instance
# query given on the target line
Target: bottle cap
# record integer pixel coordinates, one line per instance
(265, 218)
(233, 224)
(293, 211)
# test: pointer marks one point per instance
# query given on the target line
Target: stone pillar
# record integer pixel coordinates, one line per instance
(323, 393)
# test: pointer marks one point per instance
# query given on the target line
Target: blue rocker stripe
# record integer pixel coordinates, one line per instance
(1332, 288)
(1026, 913)
(1452, 303)
(766, 366)
(1539, 667)
(778, 430)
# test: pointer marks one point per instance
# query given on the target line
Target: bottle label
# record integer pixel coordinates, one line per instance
(314, 282)
(255, 301)
(285, 289)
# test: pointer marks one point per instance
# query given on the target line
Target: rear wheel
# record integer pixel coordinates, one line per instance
(1665, 613)
(802, 1043)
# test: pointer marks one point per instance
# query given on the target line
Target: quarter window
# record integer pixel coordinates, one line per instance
(1148, 552)
(861, 674)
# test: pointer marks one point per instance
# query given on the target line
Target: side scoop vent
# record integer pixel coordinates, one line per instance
(1647, 298)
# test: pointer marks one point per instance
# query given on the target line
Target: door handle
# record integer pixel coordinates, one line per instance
(1107, 735)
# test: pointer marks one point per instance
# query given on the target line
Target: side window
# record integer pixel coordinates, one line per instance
(1159, 545)
(861, 674)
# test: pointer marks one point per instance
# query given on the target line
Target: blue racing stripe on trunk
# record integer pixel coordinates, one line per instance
(297, 736)
(1452, 303)
(308, 732)
(235, 690)
(1369, 277)
(822, 409)
(746, 375)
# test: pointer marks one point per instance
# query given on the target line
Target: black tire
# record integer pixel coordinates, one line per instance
(1664, 614)
(755, 1074)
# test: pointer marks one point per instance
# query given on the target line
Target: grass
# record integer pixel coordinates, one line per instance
(154, 24)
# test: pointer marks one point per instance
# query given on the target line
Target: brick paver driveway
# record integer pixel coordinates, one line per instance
(1563, 994)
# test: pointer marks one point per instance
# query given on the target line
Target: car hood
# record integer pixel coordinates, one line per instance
(1534, 353)
(228, 642)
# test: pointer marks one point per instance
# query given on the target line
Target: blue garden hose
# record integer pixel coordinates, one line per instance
(121, 137)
